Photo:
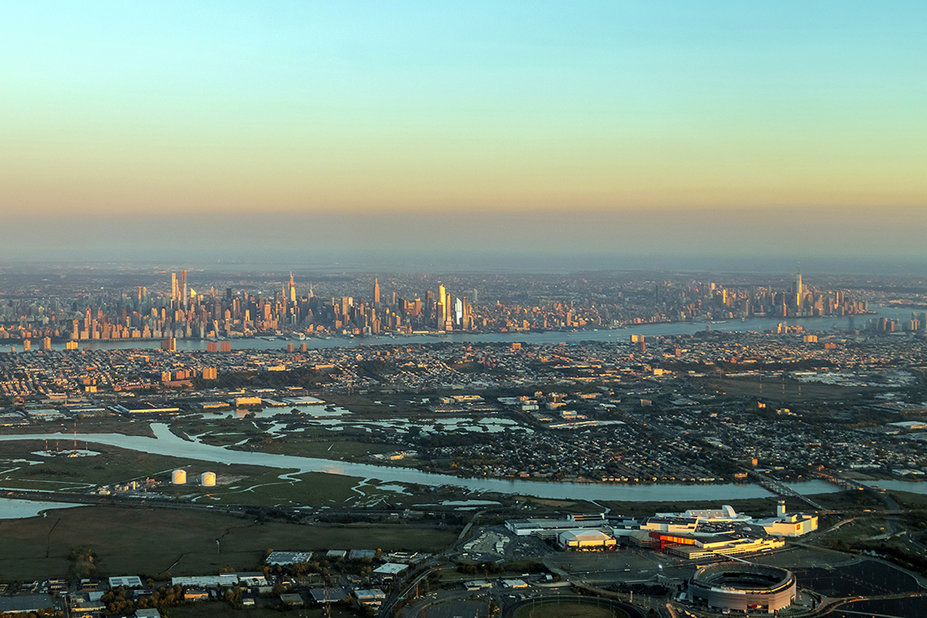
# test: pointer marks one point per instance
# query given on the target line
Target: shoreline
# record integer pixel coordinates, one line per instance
(168, 444)
(291, 338)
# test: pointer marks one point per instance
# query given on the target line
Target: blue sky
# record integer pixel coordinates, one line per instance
(129, 109)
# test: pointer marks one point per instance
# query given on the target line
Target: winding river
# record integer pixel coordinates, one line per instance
(168, 444)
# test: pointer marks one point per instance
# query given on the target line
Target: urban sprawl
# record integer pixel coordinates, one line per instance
(186, 442)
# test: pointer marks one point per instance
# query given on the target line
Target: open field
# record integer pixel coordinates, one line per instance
(155, 541)
(210, 609)
(779, 390)
(101, 424)
(569, 608)
(20, 468)
(309, 489)
(112, 465)
(864, 578)
(794, 557)
(219, 430)
(858, 529)
(915, 606)
(238, 484)
(849, 500)
(266, 487)
(322, 444)
(302, 438)
(910, 500)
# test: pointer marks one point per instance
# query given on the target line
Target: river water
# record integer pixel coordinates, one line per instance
(166, 443)
(18, 509)
(914, 487)
(549, 337)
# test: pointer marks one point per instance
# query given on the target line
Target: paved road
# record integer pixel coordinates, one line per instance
(422, 571)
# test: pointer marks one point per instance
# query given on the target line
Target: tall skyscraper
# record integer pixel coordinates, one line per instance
(448, 311)
(291, 291)
(441, 310)
(466, 320)
(798, 290)
(346, 303)
(376, 290)
(175, 290)
(183, 288)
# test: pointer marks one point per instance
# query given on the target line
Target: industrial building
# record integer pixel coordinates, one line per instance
(369, 597)
(724, 514)
(789, 525)
(389, 571)
(24, 604)
(696, 534)
(328, 595)
(694, 520)
(792, 525)
(550, 528)
(222, 580)
(144, 407)
(126, 581)
(671, 524)
(700, 548)
(285, 558)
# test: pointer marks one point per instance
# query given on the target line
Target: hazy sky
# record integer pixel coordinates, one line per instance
(119, 114)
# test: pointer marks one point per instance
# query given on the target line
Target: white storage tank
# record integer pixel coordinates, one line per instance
(179, 477)
(208, 479)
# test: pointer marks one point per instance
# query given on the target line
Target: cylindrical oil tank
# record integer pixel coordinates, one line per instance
(179, 477)
(208, 479)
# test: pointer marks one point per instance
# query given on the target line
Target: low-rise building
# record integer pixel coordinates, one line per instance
(389, 571)
(370, 597)
(585, 540)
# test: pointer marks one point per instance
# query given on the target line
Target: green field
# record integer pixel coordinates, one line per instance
(910, 500)
(859, 529)
(309, 489)
(303, 439)
(238, 484)
(112, 465)
(316, 443)
(153, 541)
(217, 430)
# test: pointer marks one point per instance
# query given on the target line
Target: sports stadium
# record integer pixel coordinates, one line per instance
(733, 586)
